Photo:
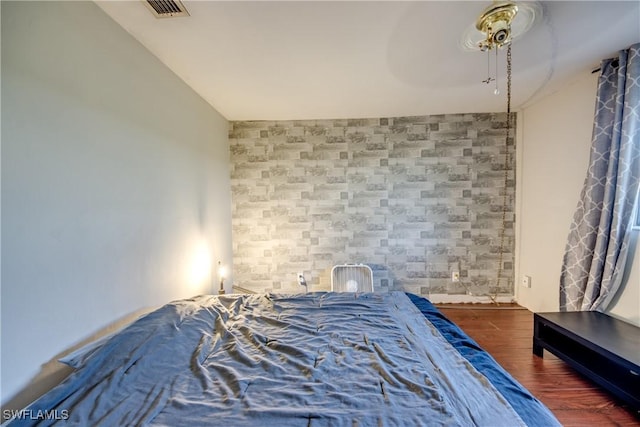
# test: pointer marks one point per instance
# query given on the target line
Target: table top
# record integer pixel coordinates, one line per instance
(616, 336)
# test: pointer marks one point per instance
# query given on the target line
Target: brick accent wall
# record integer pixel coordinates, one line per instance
(415, 198)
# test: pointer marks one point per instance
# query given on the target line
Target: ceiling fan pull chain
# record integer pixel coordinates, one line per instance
(497, 90)
(489, 79)
(507, 164)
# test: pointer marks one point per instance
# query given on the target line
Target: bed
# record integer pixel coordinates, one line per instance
(316, 359)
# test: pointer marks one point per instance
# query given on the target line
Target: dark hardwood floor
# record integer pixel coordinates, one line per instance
(506, 333)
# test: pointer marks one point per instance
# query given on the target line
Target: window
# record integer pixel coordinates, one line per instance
(636, 222)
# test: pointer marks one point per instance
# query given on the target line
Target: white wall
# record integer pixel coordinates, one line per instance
(553, 154)
(115, 182)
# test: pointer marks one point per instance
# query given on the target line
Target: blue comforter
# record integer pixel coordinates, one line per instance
(279, 360)
(530, 409)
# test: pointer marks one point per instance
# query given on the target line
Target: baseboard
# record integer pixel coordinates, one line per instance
(468, 299)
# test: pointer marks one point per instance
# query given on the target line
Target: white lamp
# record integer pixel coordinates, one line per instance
(221, 274)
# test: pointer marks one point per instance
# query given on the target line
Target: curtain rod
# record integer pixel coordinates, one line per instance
(614, 62)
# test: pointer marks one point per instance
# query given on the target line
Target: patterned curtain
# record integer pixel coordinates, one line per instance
(598, 242)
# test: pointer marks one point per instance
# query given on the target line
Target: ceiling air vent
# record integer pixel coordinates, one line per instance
(166, 8)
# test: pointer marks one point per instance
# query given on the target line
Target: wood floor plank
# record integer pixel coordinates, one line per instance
(580, 418)
(507, 334)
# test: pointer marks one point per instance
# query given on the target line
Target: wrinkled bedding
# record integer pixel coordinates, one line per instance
(531, 410)
(338, 359)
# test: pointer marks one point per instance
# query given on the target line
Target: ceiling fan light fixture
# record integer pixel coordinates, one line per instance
(499, 24)
(495, 24)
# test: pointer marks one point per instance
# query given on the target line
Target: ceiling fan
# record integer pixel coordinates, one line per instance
(495, 28)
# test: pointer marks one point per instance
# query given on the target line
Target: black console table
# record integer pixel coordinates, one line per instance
(602, 348)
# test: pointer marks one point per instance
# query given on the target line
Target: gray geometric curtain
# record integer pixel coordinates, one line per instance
(598, 242)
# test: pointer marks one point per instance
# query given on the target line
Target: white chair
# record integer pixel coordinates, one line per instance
(351, 278)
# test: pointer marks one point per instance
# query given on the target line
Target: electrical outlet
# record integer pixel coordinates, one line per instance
(301, 280)
(455, 276)
(526, 281)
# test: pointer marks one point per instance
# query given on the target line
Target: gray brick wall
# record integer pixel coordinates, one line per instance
(415, 198)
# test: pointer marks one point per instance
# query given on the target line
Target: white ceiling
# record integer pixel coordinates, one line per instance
(266, 60)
